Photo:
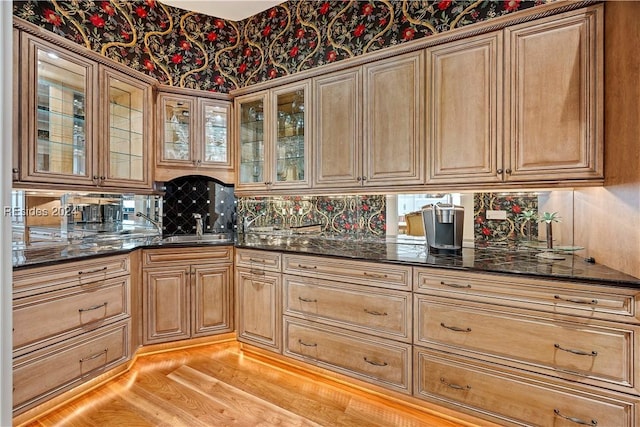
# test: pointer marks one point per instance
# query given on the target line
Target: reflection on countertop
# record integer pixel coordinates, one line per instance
(506, 260)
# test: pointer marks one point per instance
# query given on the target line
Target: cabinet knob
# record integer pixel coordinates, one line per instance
(500, 171)
(364, 178)
(15, 170)
(508, 171)
(198, 162)
(359, 178)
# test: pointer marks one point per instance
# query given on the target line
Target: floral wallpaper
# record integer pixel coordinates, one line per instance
(514, 227)
(187, 49)
(336, 214)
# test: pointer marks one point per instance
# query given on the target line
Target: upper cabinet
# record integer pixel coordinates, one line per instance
(82, 122)
(554, 98)
(369, 125)
(464, 82)
(273, 139)
(193, 137)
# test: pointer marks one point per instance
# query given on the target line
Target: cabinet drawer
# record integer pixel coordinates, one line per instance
(600, 352)
(35, 280)
(70, 311)
(376, 360)
(181, 256)
(360, 272)
(575, 299)
(381, 312)
(513, 399)
(47, 372)
(260, 260)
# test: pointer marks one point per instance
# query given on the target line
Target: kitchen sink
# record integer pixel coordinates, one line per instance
(192, 238)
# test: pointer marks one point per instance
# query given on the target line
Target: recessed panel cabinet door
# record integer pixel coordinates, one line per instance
(211, 308)
(464, 90)
(166, 304)
(553, 99)
(338, 124)
(393, 146)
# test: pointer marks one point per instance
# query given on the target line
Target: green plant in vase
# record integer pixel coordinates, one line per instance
(549, 218)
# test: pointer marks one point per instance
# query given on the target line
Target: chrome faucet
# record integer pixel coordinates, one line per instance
(156, 224)
(198, 218)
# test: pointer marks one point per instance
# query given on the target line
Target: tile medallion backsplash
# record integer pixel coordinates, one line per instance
(363, 215)
(186, 196)
(514, 226)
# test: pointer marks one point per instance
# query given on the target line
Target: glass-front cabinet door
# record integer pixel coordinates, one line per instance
(176, 130)
(289, 136)
(251, 111)
(214, 140)
(126, 131)
(58, 112)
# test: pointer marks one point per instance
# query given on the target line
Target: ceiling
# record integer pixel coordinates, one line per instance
(233, 10)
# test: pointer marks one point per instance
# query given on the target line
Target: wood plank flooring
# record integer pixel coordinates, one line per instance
(217, 385)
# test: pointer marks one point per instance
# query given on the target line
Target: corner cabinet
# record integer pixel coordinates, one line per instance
(193, 137)
(82, 122)
(186, 293)
(273, 139)
(369, 126)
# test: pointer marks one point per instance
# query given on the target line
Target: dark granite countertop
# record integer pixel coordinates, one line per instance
(495, 260)
(398, 251)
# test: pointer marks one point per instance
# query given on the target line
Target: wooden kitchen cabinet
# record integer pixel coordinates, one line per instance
(194, 136)
(83, 121)
(259, 299)
(464, 95)
(71, 323)
(274, 138)
(553, 101)
(369, 125)
(185, 295)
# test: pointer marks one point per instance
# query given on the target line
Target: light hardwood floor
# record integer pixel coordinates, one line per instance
(218, 385)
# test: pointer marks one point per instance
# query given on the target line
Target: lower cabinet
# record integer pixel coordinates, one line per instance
(259, 288)
(187, 293)
(71, 322)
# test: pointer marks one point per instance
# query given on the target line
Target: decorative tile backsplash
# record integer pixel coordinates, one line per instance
(514, 226)
(336, 214)
(186, 196)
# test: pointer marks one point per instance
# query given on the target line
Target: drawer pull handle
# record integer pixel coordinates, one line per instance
(94, 307)
(455, 328)
(374, 363)
(377, 276)
(92, 271)
(94, 356)
(375, 313)
(306, 267)
(305, 344)
(577, 301)
(256, 272)
(575, 420)
(455, 285)
(578, 352)
(307, 299)
(454, 386)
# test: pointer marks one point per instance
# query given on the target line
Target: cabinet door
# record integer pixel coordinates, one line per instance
(393, 122)
(291, 136)
(175, 130)
(553, 110)
(338, 124)
(166, 304)
(213, 148)
(58, 107)
(126, 130)
(259, 308)
(211, 299)
(464, 89)
(253, 170)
